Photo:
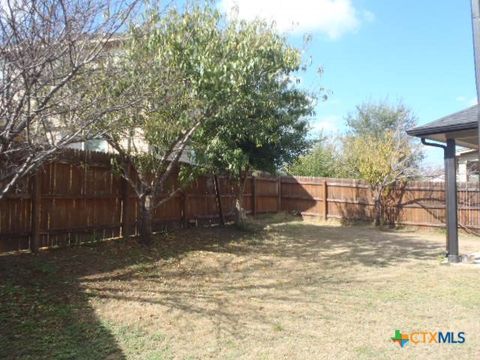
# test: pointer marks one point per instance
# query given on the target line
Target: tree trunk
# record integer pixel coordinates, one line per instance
(219, 200)
(145, 225)
(378, 208)
(239, 211)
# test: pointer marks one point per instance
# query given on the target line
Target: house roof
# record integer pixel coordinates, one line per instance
(466, 152)
(461, 120)
(461, 126)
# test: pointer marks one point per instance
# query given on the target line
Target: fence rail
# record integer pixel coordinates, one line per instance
(79, 199)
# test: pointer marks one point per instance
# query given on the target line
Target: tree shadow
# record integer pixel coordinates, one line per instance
(45, 315)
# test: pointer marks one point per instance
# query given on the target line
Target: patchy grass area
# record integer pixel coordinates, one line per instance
(283, 289)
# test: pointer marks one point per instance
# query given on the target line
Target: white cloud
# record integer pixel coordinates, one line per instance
(326, 124)
(332, 17)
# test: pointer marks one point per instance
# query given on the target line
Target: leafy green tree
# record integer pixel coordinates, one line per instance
(179, 64)
(320, 161)
(220, 88)
(263, 125)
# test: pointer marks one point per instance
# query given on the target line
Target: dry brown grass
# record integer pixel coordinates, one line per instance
(283, 289)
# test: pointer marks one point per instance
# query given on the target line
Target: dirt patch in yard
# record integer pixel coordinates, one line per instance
(282, 289)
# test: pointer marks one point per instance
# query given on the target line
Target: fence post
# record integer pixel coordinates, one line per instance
(125, 194)
(36, 211)
(279, 194)
(219, 200)
(184, 208)
(254, 195)
(325, 200)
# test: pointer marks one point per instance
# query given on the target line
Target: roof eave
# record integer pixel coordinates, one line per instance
(421, 132)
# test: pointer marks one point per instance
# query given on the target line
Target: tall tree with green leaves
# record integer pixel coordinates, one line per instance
(179, 64)
(264, 124)
(217, 87)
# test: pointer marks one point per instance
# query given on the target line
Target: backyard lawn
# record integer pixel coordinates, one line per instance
(282, 289)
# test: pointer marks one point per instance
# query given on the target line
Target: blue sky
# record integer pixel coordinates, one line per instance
(419, 52)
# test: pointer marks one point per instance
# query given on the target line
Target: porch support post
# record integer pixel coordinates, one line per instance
(451, 202)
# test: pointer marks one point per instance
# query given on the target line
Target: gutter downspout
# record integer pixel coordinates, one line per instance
(424, 142)
(450, 197)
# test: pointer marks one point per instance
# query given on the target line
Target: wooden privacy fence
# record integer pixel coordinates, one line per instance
(79, 199)
(416, 203)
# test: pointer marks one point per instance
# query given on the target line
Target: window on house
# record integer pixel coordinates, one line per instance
(99, 145)
(96, 145)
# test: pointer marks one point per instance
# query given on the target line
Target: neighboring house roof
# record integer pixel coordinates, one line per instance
(186, 157)
(467, 153)
(462, 126)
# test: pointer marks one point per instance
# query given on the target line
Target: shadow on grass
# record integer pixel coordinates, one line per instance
(44, 314)
(45, 311)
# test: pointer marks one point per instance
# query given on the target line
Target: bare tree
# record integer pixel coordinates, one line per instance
(433, 173)
(50, 54)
